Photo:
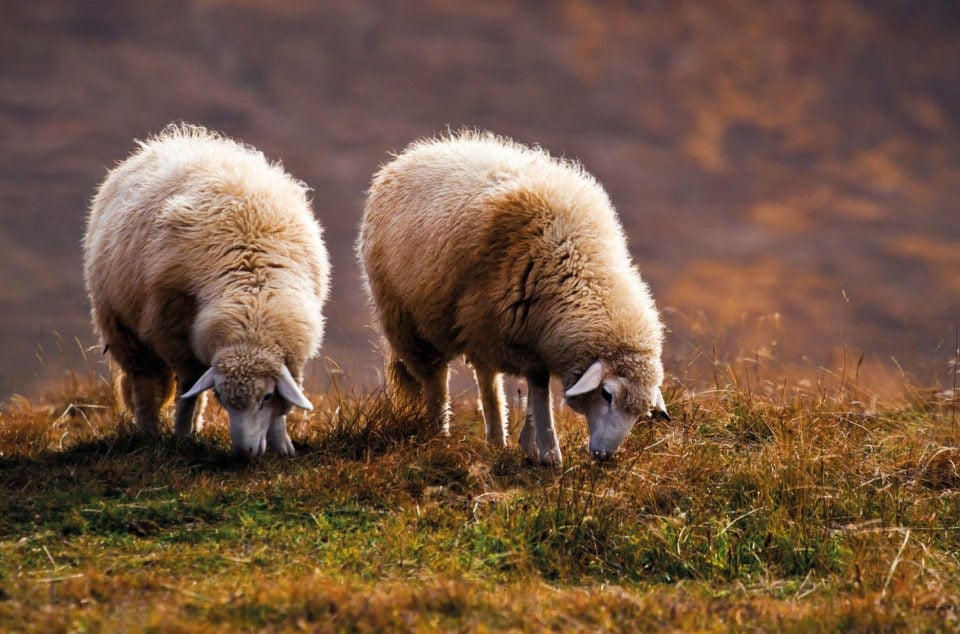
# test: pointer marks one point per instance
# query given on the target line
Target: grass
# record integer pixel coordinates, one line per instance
(763, 507)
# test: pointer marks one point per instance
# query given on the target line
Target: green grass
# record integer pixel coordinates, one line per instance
(768, 509)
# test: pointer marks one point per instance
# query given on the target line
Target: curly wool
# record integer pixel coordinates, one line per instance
(243, 368)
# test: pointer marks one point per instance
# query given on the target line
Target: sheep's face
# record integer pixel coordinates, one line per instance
(257, 407)
(612, 405)
(253, 407)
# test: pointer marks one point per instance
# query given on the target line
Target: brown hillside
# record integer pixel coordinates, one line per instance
(788, 173)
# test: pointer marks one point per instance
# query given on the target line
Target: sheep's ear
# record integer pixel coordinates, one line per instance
(205, 382)
(590, 380)
(289, 390)
(659, 409)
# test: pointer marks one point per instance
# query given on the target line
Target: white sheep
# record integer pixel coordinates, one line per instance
(203, 259)
(475, 245)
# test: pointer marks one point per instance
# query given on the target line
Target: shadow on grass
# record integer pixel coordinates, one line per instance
(120, 483)
(114, 480)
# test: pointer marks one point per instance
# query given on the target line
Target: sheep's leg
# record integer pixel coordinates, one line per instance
(149, 391)
(437, 396)
(188, 417)
(490, 384)
(277, 437)
(419, 373)
(538, 438)
(528, 435)
(145, 381)
(402, 383)
(122, 394)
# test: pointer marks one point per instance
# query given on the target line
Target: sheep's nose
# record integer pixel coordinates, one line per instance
(601, 454)
(254, 450)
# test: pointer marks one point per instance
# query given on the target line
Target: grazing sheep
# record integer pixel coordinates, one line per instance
(473, 244)
(203, 259)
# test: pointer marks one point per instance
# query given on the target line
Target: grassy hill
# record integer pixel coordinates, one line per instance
(768, 507)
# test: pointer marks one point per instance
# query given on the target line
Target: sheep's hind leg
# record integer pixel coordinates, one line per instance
(538, 438)
(436, 393)
(422, 375)
(401, 382)
(122, 394)
(490, 384)
(145, 381)
(149, 391)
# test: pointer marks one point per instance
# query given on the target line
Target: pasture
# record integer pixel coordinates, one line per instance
(761, 506)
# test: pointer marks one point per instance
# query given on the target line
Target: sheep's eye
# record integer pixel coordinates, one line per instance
(607, 395)
(266, 398)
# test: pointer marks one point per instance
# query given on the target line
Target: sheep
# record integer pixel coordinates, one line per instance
(472, 244)
(203, 259)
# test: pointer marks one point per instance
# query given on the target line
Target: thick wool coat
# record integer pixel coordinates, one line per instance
(200, 252)
(473, 244)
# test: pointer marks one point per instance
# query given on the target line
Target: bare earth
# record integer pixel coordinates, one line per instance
(788, 173)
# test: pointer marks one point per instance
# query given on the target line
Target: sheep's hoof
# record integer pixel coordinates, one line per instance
(282, 446)
(150, 429)
(531, 453)
(601, 455)
(498, 441)
(552, 458)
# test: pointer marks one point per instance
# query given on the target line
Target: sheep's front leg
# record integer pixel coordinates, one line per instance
(188, 416)
(490, 384)
(277, 437)
(538, 438)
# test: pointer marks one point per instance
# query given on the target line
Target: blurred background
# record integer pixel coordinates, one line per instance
(788, 173)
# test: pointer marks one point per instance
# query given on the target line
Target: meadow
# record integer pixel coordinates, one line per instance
(763, 506)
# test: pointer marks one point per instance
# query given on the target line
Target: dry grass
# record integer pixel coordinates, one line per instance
(760, 507)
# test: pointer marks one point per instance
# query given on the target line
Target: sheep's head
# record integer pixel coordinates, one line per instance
(613, 402)
(256, 402)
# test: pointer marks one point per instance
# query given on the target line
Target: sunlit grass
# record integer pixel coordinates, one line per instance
(760, 506)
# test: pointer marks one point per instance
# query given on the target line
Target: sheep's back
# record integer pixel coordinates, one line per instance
(192, 212)
(455, 229)
(425, 219)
